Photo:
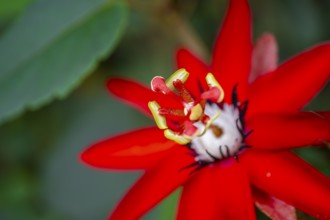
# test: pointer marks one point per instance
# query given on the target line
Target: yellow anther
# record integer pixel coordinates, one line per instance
(160, 120)
(196, 112)
(180, 74)
(212, 82)
(180, 139)
(209, 123)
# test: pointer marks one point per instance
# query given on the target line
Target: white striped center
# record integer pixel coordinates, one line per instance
(214, 145)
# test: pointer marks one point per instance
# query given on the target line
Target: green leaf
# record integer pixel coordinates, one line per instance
(169, 206)
(9, 8)
(52, 48)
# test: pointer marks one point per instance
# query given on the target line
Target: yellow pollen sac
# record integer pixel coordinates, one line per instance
(160, 120)
(180, 74)
(212, 82)
(180, 139)
(196, 112)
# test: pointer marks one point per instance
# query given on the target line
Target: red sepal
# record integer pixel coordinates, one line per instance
(198, 197)
(138, 149)
(233, 192)
(288, 130)
(138, 96)
(293, 84)
(154, 185)
(217, 192)
(289, 178)
(232, 53)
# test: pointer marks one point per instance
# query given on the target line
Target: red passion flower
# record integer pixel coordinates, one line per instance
(224, 131)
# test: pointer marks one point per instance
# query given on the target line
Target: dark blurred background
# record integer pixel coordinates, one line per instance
(40, 174)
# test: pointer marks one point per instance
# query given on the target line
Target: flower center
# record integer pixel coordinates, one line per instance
(212, 129)
(223, 139)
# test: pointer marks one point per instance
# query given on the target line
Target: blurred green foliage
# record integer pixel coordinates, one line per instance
(52, 58)
(49, 48)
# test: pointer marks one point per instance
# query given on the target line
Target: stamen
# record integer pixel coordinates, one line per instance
(191, 124)
(171, 112)
(180, 139)
(158, 85)
(212, 94)
(160, 120)
(180, 74)
(183, 92)
(212, 82)
(190, 130)
(196, 112)
(197, 123)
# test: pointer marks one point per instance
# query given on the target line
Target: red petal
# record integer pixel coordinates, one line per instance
(233, 192)
(293, 84)
(154, 186)
(218, 192)
(139, 149)
(138, 95)
(198, 198)
(233, 47)
(272, 207)
(132, 93)
(288, 131)
(196, 68)
(289, 178)
(264, 57)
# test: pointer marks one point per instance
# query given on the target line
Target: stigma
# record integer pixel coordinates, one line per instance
(212, 129)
